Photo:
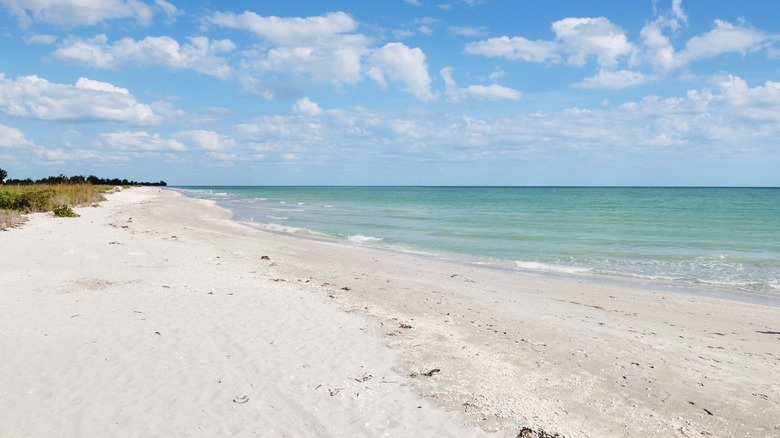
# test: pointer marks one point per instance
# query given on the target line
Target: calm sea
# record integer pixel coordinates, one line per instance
(708, 238)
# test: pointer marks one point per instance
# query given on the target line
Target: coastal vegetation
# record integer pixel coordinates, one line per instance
(58, 194)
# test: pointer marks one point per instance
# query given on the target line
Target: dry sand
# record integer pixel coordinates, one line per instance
(155, 315)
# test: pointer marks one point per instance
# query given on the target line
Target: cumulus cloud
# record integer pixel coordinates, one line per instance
(86, 100)
(199, 54)
(489, 92)
(287, 31)
(399, 63)
(91, 156)
(468, 31)
(515, 48)
(716, 122)
(72, 13)
(584, 37)
(306, 106)
(40, 39)
(297, 52)
(13, 138)
(612, 80)
(723, 38)
(673, 18)
(208, 140)
(575, 38)
(139, 141)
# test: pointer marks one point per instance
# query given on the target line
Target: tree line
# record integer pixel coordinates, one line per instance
(77, 179)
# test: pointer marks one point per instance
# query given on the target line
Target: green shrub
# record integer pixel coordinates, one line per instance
(64, 211)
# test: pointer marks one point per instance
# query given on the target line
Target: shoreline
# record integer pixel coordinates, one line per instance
(477, 349)
(626, 281)
(698, 275)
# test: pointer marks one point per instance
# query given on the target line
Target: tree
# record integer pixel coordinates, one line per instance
(3, 174)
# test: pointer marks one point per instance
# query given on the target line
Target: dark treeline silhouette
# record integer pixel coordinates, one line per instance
(79, 179)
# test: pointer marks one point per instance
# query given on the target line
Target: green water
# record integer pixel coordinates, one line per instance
(721, 238)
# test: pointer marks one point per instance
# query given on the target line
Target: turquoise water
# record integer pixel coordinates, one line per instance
(714, 238)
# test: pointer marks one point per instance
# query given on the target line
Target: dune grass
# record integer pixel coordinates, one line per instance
(18, 200)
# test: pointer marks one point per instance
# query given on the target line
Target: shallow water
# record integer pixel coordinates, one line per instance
(718, 238)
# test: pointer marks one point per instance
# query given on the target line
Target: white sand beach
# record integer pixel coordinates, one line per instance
(156, 315)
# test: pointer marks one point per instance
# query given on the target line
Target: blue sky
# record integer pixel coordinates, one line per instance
(392, 92)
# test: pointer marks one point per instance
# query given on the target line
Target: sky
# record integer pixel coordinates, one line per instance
(393, 92)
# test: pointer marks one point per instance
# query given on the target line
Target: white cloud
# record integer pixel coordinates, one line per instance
(318, 64)
(287, 31)
(59, 155)
(468, 31)
(659, 50)
(200, 54)
(515, 48)
(40, 39)
(208, 140)
(168, 9)
(584, 37)
(702, 123)
(493, 92)
(13, 138)
(498, 73)
(305, 106)
(577, 38)
(759, 103)
(612, 80)
(298, 52)
(402, 64)
(724, 38)
(413, 2)
(140, 141)
(490, 92)
(72, 13)
(87, 100)
(302, 52)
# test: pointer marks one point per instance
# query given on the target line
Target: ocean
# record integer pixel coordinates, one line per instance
(717, 239)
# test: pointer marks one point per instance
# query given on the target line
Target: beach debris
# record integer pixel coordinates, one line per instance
(431, 372)
(334, 391)
(345, 288)
(114, 242)
(241, 399)
(404, 325)
(527, 432)
(265, 257)
(363, 378)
